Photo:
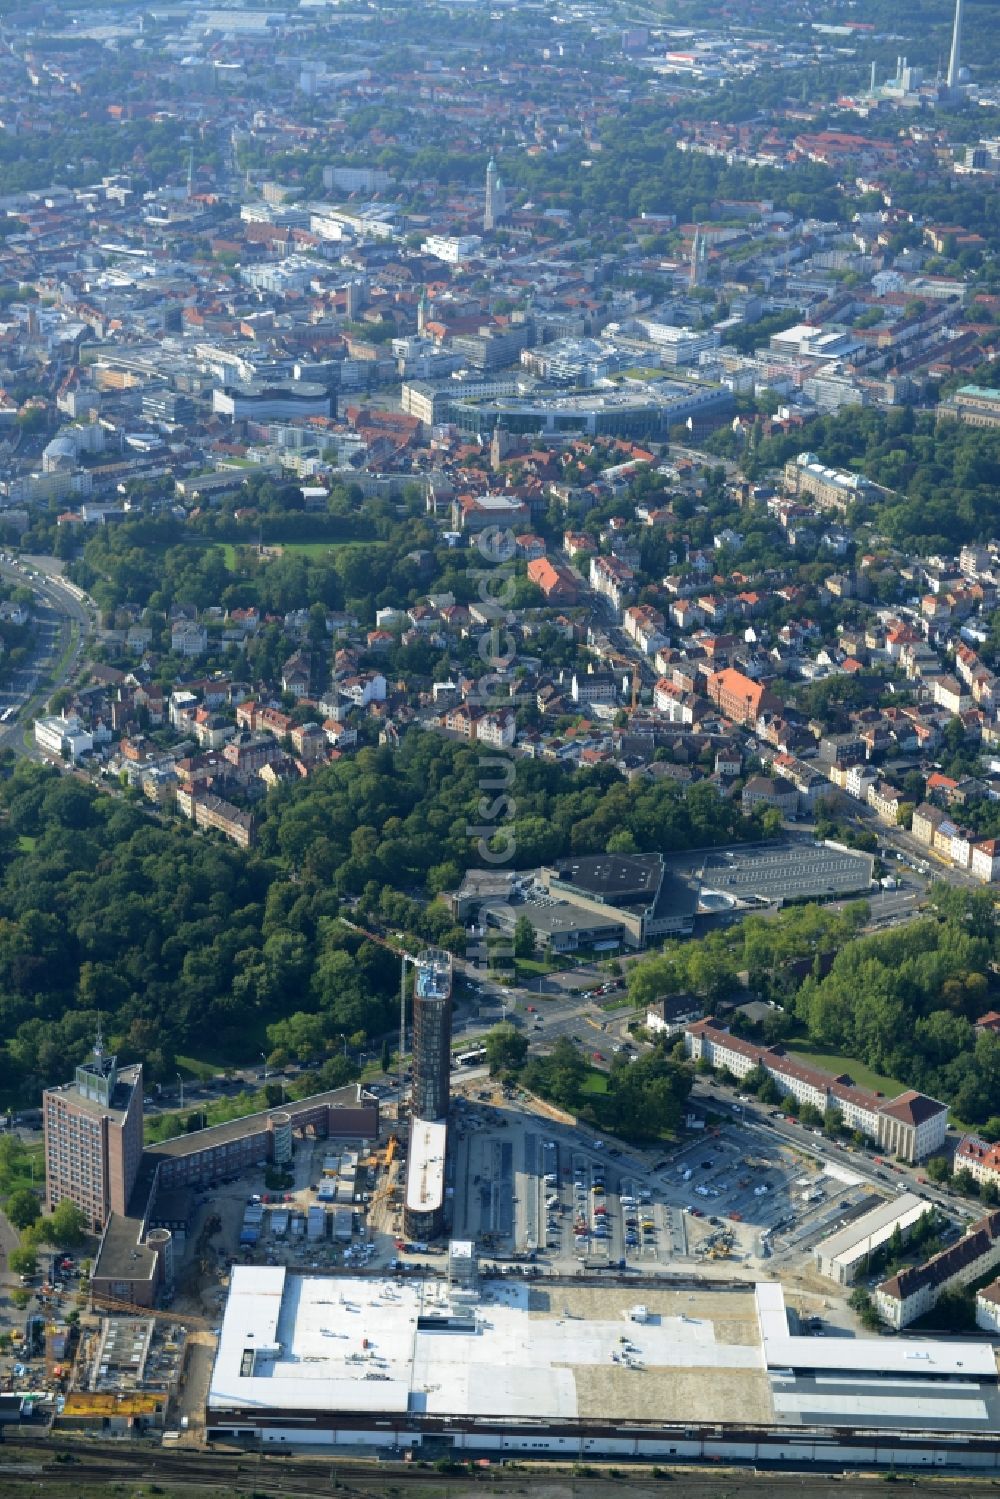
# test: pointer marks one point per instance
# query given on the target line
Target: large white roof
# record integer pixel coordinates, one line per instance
(425, 1173)
(933, 1357)
(333, 1343)
(872, 1229)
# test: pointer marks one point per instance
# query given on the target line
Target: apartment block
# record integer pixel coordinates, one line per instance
(903, 1298)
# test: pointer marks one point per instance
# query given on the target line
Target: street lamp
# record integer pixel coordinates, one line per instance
(264, 1060)
(181, 1081)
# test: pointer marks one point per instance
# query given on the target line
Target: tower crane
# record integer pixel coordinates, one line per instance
(404, 958)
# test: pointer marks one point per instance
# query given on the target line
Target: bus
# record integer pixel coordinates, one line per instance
(474, 1058)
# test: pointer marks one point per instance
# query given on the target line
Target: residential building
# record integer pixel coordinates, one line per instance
(188, 638)
(669, 1016)
(770, 791)
(916, 1290)
(248, 752)
(557, 582)
(363, 689)
(886, 801)
(979, 1157)
(209, 811)
(296, 675)
(499, 730)
(645, 625)
(309, 742)
(926, 822)
(948, 693)
(676, 705)
(985, 860)
(613, 579)
(594, 687)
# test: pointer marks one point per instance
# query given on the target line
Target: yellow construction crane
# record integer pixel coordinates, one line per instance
(129, 1309)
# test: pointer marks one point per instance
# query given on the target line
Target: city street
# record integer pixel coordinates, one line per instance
(56, 613)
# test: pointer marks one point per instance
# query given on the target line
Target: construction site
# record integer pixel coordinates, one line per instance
(472, 1271)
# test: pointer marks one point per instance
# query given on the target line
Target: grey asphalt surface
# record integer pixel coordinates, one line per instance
(54, 610)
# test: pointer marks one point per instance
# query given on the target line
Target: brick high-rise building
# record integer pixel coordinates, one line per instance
(93, 1137)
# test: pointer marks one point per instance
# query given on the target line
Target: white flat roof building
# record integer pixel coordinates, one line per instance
(425, 1173)
(313, 1358)
(293, 1342)
(932, 1358)
(842, 1254)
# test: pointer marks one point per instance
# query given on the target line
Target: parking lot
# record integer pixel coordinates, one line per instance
(530, 1186)
(729, 1200)
(768, 1198)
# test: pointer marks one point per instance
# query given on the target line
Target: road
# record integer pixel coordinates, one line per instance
(55, 613)
(708, 460)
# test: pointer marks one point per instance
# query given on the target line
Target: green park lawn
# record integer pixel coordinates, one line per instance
(192, 1067)
(303, 548)
(863, 1076)
(595, 1082)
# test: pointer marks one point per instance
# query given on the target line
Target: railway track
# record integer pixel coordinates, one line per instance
(28, 1464)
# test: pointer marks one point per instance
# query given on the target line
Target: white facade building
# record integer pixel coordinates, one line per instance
(453, 249)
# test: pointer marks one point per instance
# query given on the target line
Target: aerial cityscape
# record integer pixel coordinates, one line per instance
(499, 747)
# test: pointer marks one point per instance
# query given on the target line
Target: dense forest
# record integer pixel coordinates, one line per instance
(74, 151)
(187, 946)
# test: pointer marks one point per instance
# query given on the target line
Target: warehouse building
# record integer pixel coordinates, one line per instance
(306, 1360)
(843, 1254)
(928, 1383)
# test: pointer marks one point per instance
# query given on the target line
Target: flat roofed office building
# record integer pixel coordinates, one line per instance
(93, 1137)
(842, 1255)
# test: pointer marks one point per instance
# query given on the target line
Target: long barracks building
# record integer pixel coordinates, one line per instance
(911, 1126)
